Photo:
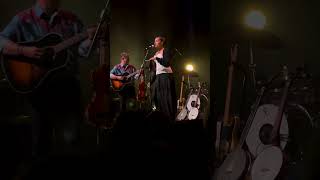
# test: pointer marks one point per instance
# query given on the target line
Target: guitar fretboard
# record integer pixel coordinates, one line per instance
(132, 74)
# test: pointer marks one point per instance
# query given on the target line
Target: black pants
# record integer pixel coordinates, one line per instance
(57, 112)
(164, 95)
(128, 93)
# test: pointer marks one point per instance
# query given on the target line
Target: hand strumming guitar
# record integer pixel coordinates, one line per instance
(121, 78)
(32, 52)
(12, 48)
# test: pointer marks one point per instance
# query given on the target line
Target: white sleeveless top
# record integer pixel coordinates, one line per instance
(160, 69)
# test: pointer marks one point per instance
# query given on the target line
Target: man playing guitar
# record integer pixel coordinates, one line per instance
(57, 102)
(123, 72)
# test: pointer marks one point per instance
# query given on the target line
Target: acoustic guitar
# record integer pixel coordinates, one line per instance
(223, 145)
(269, 162)
(26, 74)
(195, 105)
(237, 163)
(118, 85)
(181, 100)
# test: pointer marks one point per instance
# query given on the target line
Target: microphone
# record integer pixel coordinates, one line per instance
(151, 46)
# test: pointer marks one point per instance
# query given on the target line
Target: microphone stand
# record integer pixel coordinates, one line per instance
(142, 67)
(150, 78)
(101, 21)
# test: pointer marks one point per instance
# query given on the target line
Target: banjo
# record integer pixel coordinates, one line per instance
(269, 161)
(237, 162)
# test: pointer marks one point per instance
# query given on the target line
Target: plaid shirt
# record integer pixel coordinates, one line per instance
(119, 70)
(34, 23)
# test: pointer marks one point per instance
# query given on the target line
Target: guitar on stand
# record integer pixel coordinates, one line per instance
(181, 100)
(237, 163)
(191, 108)
(98, 110)
(194, 105)
(222, 146)
(271, 157)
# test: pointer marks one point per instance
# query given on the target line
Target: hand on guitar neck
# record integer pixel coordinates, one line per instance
(125, 77)
(120, 78)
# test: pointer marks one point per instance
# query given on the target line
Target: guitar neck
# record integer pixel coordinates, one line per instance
(247, 127)
(181, 88)
(132, 74)
(276, 127)
(198, 92)
(234, 53)
(70, 42)
(228, 96)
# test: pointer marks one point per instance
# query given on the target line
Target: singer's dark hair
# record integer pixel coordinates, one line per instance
(163, 39)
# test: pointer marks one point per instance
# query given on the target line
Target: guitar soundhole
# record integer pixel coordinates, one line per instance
(265, 133)
(193, 104)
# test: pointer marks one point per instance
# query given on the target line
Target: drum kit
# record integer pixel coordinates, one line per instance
(276, 133)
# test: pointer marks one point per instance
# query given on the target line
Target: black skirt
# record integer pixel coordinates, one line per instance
(164, 95)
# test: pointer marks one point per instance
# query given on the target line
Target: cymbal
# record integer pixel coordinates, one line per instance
(243, 35)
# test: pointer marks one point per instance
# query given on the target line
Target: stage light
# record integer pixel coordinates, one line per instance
(189, 67)
(255, 19)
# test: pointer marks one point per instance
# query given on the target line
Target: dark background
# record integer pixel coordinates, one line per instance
(191, 26)
(295, 23)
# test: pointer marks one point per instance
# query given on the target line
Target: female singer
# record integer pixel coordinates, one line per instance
(164, 94)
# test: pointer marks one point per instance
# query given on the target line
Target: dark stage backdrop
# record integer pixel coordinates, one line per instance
(294, 23)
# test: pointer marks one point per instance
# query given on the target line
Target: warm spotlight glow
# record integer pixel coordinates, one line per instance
(255, 19)
(189, 67)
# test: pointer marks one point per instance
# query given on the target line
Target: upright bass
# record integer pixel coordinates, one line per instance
(98, 109)
(98, 112)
